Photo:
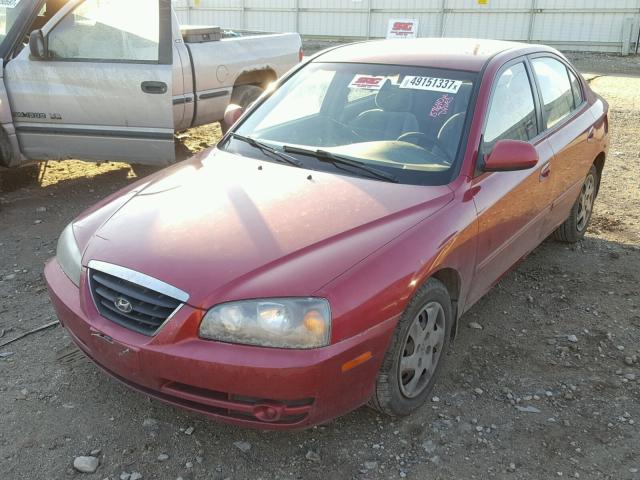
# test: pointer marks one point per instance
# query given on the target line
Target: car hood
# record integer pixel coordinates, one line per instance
(223, 227)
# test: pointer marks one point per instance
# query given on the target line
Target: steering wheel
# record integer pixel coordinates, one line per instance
(422, 140)
(348, 128)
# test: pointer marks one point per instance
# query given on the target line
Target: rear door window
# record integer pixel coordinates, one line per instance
(557, 94)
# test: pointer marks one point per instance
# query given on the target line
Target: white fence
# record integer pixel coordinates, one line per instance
(592, 25)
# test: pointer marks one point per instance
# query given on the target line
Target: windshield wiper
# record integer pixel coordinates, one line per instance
(340, 161)
(279, 156)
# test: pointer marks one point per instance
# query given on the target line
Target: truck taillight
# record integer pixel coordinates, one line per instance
(300, 54)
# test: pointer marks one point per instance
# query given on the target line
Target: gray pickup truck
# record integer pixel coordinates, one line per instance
(112, 80)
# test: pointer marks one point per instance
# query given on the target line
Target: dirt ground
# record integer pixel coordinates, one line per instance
(517, 399)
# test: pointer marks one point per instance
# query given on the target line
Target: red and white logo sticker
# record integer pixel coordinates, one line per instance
(402, 28)
(367, 82)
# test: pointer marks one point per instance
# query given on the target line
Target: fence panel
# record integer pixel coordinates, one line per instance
(570, 24)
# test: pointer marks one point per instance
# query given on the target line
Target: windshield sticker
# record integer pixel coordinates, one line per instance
(9, 3)
(432, 84)
(441, 107)
(367, 82)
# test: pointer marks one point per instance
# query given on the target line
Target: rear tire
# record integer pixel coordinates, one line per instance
(245, 95)
(574, 227)
(414, 359)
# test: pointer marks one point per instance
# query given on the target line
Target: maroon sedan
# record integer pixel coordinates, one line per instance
(322, 255)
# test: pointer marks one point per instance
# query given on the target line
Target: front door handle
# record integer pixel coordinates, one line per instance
(545, 172)
(157, 88)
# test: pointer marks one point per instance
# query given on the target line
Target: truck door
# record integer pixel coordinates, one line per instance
(101, 87)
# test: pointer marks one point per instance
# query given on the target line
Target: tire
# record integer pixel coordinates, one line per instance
(393, 393)
(245, 95)
(575, 226)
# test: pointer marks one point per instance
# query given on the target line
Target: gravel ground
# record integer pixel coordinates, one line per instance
(549, 387)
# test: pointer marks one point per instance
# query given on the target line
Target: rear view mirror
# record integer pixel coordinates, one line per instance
(231, 116)
(37, 45)
(511, 155)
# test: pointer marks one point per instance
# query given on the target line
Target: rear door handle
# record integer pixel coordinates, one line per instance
(157, 88)
(591, 135)
(545, 172)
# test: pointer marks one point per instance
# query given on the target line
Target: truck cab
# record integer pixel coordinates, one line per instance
(112, 80)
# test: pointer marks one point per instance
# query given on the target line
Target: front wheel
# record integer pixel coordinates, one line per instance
(415, 357)
(574, 227)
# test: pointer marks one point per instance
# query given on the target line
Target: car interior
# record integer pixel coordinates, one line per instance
(391, 125)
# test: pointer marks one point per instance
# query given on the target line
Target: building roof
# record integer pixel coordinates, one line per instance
(455, 53)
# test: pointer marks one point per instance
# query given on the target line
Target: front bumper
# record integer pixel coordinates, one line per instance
(250, 386)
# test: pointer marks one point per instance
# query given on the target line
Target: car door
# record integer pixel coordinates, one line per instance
(102, 87)
(510, 205)
(569, 130)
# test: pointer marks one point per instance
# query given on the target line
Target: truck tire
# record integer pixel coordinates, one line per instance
(245, 95)
(7, 156)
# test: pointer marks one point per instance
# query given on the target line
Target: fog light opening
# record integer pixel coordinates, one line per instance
(268, 413)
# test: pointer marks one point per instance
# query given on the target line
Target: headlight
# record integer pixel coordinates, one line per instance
(276, 322)
(69, 256)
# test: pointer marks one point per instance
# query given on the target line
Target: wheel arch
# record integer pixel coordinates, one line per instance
(452, 280)
(599, 164)
(260, 78)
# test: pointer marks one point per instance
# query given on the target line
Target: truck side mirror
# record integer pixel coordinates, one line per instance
(38, 45)
(231, 116)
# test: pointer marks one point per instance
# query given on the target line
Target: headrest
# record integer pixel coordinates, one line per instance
(392, 98)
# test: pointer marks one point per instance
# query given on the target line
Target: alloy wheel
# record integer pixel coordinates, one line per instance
(585, 204)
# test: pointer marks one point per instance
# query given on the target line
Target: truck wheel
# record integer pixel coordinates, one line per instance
(415, 357)
(245, 95)
(8, 158)
(574, 227)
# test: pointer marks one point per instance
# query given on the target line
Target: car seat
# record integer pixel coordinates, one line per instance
(392, 117)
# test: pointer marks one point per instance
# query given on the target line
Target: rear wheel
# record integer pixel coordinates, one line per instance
(574, 227)
(245, 95)
(415, 357)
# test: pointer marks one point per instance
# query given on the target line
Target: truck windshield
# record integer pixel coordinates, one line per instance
(407, 122)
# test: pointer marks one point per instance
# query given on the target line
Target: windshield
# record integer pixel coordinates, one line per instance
(405, 121)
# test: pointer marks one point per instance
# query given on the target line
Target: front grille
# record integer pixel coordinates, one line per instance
(149, 309)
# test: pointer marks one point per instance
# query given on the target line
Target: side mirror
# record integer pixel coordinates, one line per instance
(231, 115)
(511, 155)
(38, 45)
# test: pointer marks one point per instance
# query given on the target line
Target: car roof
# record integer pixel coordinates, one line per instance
(468, 54)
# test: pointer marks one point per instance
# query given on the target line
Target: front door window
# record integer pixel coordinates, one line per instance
(108, 30)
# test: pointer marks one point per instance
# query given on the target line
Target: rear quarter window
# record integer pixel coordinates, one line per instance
(577, 89)
(557, 94)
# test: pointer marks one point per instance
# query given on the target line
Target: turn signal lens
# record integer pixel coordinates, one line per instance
(314, 322)
(356, 361)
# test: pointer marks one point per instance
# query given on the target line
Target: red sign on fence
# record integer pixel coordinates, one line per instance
(402, 28)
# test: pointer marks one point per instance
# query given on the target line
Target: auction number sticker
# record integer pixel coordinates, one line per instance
(367, 82)
(433, 84)
(9, 3)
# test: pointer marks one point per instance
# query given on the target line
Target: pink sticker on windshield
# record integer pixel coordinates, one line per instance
(441, 107)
